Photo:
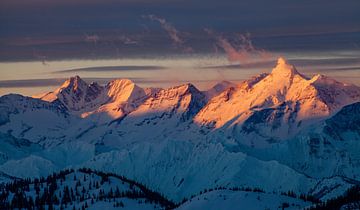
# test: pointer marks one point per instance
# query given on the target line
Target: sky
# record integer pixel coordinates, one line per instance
(168, 42)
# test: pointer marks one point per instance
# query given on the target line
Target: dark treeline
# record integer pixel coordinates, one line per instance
(53, 192)
(20, 187)
(48, 194)
(351, 198)
(147, 193)
(259, 190)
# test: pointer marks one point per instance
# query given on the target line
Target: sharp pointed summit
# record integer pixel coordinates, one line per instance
(74, 83)
(286, 92)
(284, 70)
(76, 94)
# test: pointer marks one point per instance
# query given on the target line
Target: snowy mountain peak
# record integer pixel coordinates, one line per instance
(180, 90)
(284, 70)
(124, 90)
(120, 97)
(322, 79)
(74, 83)
(117, 88)
(76, 94)
(190, 88)
(248, 84)
(333, 93)
(277, 104)
(179, 103)
(221, 85)
(120, 83)
(218, 88)
(282, 61)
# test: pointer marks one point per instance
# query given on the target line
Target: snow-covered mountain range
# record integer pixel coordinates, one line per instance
(278, 131)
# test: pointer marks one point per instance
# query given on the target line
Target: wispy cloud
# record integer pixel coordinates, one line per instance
(327, 61)
(127, 40)
(112, 68)
(239, 48)
(249, 65)
(168, 27)
(31, 83)
(337, 69)
(173, 33)
(93, 38)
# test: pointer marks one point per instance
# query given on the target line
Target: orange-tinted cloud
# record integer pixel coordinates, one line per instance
(240, 48)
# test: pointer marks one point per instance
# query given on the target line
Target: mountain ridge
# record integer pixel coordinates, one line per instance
(180, 140)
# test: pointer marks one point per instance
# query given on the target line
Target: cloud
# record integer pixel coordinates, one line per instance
(112, 68)
(173, 33)
(70, 3)
(169, 28)
(328, 69)
(239, 49)
(31, 83)
(63, 36)
(93, 38)
(249, 65)
(127, 40)
(327, 61)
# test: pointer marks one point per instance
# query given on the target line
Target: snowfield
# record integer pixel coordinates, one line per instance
(226, 199)
(278, 131)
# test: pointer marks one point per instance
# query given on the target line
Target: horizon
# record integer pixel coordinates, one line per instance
(162, 73)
